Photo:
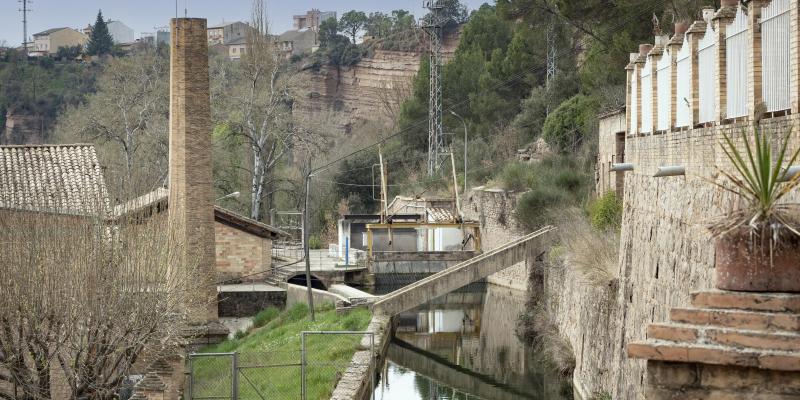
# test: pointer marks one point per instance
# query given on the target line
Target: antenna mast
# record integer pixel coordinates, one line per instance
(433, 28)
(25, 11)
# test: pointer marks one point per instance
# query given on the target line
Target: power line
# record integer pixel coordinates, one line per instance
(511, 80)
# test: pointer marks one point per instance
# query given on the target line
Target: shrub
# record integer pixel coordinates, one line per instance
(606, 212)
(516, 176)
(601, 396)
(590, 252)
(565, 128)
(314, 242)
(534, 207)
(240, 335)
(265, 316)
(569, 180)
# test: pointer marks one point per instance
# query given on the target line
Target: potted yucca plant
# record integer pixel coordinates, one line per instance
(758, 244)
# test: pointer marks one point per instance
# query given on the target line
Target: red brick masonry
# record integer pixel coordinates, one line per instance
(755, 336)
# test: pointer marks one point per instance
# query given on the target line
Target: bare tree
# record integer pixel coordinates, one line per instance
(128, 118)
(254, 100)
(85, 299)
(391, 96)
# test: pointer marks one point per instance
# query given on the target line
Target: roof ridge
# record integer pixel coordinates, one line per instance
(46, 145)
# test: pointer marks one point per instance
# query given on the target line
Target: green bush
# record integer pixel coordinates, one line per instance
(517, 176)
(240, 334)
(314, 242)
(535, 207)
(606, 212)
(565, 128)
(569, 180)
(265, 316)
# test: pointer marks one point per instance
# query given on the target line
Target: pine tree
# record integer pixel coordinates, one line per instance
(100, 42)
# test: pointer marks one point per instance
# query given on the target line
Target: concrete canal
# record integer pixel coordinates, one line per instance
(464, 346)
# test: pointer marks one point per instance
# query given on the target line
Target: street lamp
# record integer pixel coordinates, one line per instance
(465, 148)
(228, 196)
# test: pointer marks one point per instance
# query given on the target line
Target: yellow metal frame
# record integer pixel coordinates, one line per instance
(476, 229)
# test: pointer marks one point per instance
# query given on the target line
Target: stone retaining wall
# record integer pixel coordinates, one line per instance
(494, 210)
(248, 304)
(666, 252)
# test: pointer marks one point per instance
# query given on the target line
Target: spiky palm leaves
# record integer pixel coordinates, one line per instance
(760, 182)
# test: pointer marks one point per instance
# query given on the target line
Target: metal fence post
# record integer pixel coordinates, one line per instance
(191, 378)
(235, 376)
(372, 365)
(303, 366)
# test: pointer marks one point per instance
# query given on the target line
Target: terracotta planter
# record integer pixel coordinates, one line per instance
(743, 262)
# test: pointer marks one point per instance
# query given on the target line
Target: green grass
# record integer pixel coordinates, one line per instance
(269, 357)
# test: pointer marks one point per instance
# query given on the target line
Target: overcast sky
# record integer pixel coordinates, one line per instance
(144, 15)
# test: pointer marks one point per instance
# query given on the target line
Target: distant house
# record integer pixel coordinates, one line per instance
(49, 41)
(237, 48)
(311, 19)
(296, 42)
(227, 33)
(120, 32)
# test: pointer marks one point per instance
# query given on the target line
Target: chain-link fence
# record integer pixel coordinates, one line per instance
(311, 372)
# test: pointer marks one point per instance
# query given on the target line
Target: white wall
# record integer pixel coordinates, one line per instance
(120, 32)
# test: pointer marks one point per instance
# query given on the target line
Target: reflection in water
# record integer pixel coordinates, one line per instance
(464, 346)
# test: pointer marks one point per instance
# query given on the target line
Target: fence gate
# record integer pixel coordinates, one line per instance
(310, 372)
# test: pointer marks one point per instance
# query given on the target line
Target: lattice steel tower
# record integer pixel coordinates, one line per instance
(25, 10)
(433, 27)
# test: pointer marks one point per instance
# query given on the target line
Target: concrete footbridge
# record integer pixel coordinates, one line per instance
(524, 249)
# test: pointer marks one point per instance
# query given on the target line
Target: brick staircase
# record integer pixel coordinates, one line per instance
(730, 333)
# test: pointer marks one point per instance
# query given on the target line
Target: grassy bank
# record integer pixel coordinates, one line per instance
(269, 355)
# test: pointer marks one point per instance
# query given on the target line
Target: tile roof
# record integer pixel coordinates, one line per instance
(53, 178)
(440, 215)
(49, 31)
(158, 201)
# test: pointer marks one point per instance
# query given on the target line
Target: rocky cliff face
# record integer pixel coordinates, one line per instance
(371, 90)
(22, 128)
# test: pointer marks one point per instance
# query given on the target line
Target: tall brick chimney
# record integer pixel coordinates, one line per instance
(191, 197)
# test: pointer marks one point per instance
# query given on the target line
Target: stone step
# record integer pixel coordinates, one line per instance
(739, 338)
(786, 341)
(773, 302)
(714, 354)
(747, 320)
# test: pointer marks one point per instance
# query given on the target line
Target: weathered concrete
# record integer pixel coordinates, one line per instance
(494, 209)
(349, 292)
(524, 249)
(299, 294)
(355, 383)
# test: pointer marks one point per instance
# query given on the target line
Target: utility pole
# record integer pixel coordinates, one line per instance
(25, 10)
(433, 28)
(306, 251)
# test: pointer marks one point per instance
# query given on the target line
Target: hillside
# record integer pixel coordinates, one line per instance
(372, 89)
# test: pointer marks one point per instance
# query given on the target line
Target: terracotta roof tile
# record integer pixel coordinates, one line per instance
(53, 178)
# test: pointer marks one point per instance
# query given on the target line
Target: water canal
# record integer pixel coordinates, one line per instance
(464, 346)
